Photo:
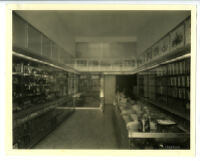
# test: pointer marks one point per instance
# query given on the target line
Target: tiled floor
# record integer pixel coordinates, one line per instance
(85, 129)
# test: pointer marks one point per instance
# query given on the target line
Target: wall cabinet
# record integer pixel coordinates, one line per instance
(37, 90)
(46, 47)
(19, 36)
(29, 39)
(168, 86)
(34, 40)
(188, 32)
(178, 39)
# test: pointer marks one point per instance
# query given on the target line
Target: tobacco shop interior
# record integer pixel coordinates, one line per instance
(107, 79)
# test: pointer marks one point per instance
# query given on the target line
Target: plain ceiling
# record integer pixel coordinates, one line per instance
(65, 27)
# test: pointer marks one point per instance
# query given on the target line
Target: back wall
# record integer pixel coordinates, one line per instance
(103, 50)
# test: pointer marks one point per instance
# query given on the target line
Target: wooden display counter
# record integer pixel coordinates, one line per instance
(32, 125)
(171, 138)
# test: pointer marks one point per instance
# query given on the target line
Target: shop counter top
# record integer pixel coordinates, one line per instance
(171, 134)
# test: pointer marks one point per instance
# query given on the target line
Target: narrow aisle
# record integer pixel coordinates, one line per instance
(85, 129)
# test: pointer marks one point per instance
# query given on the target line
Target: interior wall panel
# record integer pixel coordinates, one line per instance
(46, 47)
(55, 51)
(19, 32)
(34, 40)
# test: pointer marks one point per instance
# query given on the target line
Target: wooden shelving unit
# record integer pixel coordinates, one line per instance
(38, 88)
(41, 82)
(168, 87)
(164, 71)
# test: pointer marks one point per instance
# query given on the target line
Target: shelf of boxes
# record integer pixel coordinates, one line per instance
(169, 86)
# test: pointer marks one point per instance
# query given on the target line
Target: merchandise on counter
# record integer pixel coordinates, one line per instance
(153, 126)
(134, 116)
(126, 118)
(166, 122)
(126, 112)
(133, 125)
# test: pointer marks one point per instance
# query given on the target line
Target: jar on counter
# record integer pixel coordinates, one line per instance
(144, 124)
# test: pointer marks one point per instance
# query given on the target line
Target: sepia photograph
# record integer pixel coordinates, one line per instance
(102, 79)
